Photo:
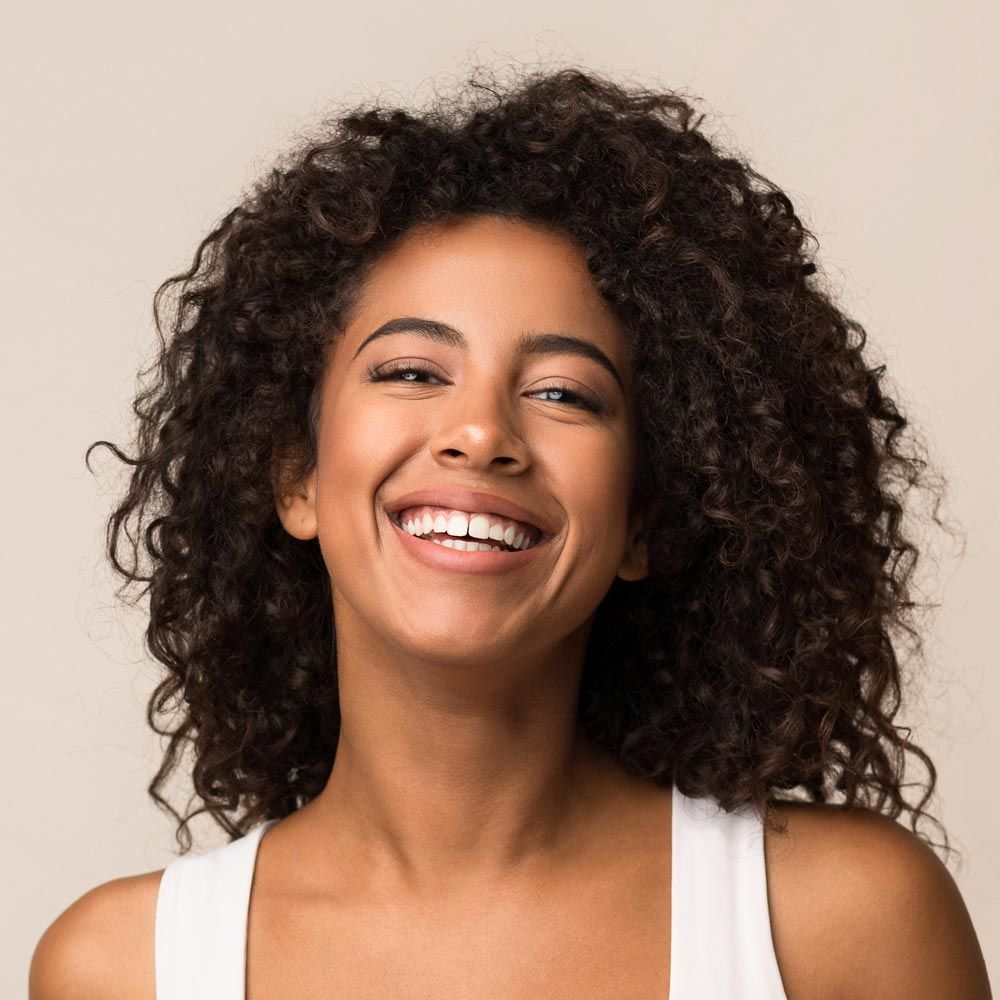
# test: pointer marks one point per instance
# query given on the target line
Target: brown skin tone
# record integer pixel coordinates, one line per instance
(462, 787)
(469, 841)
(459, 765)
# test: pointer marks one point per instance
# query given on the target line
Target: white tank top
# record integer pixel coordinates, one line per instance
(720, 929)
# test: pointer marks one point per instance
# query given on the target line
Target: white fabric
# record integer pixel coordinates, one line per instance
(720, 927)
(201, 922)
(720, 938)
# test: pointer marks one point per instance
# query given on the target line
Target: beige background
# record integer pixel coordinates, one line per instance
(129, 128)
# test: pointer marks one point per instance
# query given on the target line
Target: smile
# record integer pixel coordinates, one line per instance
(452, 550)
(467, 532)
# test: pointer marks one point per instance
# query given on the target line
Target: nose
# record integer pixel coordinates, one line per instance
(477, 429)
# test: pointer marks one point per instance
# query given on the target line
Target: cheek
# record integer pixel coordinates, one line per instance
(593, 484)
(356, 454)
(594, 477)
(360, 442)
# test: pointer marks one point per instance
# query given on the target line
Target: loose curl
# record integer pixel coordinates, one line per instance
(756, 657)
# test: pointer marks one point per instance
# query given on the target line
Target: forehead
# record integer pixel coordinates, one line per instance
(484, 242)
(490, 276)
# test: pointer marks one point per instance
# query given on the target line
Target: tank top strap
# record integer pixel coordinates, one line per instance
(201, 921)
(720, 937)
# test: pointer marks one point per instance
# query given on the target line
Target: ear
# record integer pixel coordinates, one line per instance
(297, 510)
(635, 564)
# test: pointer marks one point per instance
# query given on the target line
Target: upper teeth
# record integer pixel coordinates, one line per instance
(423, 520)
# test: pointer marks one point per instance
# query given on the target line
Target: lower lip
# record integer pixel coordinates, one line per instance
(475, 562)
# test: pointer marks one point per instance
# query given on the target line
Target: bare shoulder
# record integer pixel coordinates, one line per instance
(862, 907)
(101, 945)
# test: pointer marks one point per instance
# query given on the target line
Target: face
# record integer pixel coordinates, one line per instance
(462, 405)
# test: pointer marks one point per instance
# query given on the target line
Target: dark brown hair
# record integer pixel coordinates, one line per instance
(758, 657)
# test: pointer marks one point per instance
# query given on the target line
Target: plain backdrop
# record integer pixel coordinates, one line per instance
(129, 129)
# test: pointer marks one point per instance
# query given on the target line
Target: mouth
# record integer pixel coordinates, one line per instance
(460, 532)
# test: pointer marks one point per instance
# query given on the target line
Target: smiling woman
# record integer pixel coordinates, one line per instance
(496, 426)
(524, 528)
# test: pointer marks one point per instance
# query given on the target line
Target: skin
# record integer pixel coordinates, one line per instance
(469, 841)
(439, 670)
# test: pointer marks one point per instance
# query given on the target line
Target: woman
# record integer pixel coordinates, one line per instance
(522, 516)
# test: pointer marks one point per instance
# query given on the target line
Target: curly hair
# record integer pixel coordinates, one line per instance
(756, 657)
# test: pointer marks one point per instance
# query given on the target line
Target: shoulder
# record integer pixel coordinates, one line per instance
(101, 945)
(862, 907)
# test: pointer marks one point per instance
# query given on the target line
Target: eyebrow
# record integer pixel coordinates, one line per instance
(527, 344)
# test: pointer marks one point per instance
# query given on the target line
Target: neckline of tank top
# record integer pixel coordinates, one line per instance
(694, 810)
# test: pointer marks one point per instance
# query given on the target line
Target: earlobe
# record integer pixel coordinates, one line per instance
(297, 512)
(635, 565)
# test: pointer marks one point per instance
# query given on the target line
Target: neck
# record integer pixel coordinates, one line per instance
(441, 785)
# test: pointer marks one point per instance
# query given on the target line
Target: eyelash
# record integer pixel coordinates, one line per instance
(383, 373)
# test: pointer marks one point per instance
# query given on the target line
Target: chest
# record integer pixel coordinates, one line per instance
(609, 939)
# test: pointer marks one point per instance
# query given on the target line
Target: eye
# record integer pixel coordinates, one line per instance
(584, 402)
(395, 371)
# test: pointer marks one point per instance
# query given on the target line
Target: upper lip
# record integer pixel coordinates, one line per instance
(472, 501)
